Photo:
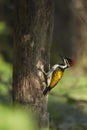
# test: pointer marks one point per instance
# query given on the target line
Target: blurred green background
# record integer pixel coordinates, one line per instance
(68, 100)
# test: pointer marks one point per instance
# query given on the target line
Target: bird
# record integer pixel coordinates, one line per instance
(54, 75)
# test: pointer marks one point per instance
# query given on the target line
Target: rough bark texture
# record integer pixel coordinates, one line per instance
(33, 34)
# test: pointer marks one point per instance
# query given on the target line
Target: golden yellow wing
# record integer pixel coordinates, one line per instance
(56, 77)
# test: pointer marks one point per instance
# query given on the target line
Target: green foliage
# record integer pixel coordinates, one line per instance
(5, 80)
(5, 69)
(4, 28)
(16, 119)
(5, 41)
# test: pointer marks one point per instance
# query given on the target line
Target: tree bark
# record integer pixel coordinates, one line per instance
(32, 39)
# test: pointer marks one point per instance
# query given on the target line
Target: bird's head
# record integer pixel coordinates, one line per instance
(69, 62)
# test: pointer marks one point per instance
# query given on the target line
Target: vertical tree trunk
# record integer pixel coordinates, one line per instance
(79, 30)
(32, 38)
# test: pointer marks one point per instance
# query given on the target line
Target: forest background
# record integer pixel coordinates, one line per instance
(68, 100)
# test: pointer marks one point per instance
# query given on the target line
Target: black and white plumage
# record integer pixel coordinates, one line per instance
(55, 74)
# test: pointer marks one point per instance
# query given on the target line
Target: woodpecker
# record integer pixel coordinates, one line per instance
(56, 73)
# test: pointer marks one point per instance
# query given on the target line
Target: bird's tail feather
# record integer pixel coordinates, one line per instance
(46, 91)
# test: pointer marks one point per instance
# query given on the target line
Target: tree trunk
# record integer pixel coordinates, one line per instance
(32, 37)
(79, 31)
